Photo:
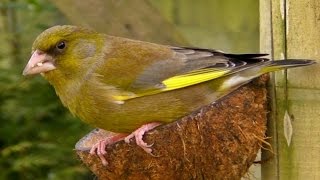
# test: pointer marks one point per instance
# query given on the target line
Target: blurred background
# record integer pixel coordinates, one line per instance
(37, 134)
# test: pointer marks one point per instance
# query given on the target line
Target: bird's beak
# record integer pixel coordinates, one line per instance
(39, 62)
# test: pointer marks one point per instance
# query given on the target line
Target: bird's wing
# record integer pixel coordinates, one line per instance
(186, 67)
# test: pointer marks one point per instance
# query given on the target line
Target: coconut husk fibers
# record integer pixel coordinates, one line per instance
(219, 141)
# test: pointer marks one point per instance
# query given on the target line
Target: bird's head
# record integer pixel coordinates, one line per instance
(67, 49)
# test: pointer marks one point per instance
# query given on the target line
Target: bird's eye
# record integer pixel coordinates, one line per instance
(61, 45)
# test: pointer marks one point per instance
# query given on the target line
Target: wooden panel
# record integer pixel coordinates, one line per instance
(294, 30)
(303, 36)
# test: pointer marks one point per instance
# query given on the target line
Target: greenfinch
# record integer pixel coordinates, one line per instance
(130, 87)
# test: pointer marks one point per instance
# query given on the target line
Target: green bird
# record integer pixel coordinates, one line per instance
(129, 87)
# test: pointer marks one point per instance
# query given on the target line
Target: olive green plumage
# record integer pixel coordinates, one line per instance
(119, 84)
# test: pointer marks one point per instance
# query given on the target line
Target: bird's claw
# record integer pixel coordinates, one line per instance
(138, 134)
(100, 147)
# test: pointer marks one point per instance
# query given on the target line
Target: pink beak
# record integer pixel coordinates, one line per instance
(39, 62)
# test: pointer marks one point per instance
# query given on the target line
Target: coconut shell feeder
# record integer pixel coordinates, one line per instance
(219, 141)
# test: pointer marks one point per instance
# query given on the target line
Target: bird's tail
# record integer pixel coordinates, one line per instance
(288, 63)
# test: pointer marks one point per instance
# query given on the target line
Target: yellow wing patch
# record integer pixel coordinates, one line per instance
(192, 78)
(120, 97)
(176, 82)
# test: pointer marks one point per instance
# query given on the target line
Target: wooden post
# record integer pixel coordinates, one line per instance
(290, 29)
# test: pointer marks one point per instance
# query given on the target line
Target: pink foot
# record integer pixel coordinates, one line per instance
(138, 134)
(100, 147)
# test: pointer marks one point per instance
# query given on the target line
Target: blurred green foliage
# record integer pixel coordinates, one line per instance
(36, 133)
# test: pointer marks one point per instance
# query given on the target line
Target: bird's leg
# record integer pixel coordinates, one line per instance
(100, 147)
(138, 134)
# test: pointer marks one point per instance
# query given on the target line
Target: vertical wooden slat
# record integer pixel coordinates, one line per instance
(269, 169)
(294, 30)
